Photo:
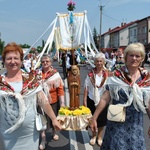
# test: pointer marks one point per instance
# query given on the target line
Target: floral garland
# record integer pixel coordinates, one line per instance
(71, 5)
(82, 110)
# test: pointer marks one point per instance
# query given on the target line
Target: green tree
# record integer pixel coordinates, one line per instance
(2, 44)
(95, 37)
(25, 46)
(39, 49)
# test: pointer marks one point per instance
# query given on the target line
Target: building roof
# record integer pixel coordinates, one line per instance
(144, 19)
(117, 29)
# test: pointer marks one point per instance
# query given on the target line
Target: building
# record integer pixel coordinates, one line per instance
(121, 36)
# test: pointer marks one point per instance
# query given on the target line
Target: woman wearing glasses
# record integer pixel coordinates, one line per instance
(54, 87)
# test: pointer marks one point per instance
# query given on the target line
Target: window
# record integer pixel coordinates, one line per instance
(145, 29)
(145, 41)
(134, 32)
(139, 30)
(130, 33)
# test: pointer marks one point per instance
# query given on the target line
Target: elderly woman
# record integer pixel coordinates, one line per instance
(54, 87)
(94, 86)
(130, 88)
(20, 93)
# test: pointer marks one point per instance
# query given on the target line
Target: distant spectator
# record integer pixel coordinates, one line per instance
(27, 63)
(33, 61)
(148, 57)
(64, 58)
(72, 59)
(118, 60)
(106, 53)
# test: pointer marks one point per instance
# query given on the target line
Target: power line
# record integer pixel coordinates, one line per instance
(107, 2)
(94, 15)
(108, 15)
(112, 18)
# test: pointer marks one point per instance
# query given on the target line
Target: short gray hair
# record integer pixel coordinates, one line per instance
(99, 56)
(45, 55)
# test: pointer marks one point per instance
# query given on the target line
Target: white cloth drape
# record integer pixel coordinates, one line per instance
(20, 99)
(94, 92)
(135, 94)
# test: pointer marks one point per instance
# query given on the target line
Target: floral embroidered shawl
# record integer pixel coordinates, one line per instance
(30, 82)
(92, 77)
(52, 78)
(51, 81)
(9, 98)
(139, 93)
(123, 74)
(95, 91)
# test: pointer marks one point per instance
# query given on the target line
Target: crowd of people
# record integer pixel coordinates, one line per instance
(24, 90)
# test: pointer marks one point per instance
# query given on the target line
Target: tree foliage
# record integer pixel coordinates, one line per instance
(95, 35)
(25, 46)
(2, 44)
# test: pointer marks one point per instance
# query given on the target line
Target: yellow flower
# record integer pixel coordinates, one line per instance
(82, 110)
(85, 110)
(66, 112)
(77, 112)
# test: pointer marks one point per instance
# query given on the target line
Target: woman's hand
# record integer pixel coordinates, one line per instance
(62, 104)
(149, 132)
(56, 125)
(93, 125)
(84, 103)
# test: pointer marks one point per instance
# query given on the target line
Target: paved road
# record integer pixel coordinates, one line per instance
(79, 140)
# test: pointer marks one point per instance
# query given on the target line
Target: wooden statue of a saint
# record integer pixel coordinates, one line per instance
(74, 83)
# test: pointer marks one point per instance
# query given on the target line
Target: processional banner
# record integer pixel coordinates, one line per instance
(70, 31)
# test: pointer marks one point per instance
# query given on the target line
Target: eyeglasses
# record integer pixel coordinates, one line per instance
(45, 61)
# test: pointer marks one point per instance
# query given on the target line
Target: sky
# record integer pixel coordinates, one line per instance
(24, 21)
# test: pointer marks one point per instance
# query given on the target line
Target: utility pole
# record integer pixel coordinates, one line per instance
(101, 9)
